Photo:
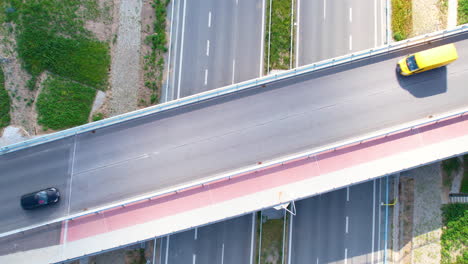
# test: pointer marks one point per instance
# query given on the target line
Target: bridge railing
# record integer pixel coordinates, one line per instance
(231, 89)
(248, 84)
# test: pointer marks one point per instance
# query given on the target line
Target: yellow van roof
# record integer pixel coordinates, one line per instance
(436, 55)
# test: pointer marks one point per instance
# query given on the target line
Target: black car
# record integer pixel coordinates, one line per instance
(40, 198)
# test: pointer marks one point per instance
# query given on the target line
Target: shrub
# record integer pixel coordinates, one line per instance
(4, 103)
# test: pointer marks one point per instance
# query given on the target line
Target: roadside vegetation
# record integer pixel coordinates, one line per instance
(278, 35)
(402, 20)
(64, 103)
(454, 239)
(4, 103)
(271, 250)
(464, 185)
(462, 12)
(51, 36)
(154, 60)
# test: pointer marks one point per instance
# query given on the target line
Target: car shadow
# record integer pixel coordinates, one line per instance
(425, 84)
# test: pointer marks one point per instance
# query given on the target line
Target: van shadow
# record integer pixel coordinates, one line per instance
(425, 84)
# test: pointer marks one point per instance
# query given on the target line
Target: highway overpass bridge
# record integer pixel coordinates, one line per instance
(250, 127)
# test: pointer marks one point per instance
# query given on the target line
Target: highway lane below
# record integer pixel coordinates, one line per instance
(197, 141)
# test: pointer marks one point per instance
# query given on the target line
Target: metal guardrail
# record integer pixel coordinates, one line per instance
(221, 91)
(231, 89)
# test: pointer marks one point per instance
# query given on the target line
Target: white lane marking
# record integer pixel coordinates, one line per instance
(375, 23)
(297, 31)
(290, 237)
(317, 260)
(350, 42)
(207, 47)
(252, 238)
(269, 39)
(196, 233)
(154, 251)
(237, 2)
(350, 14)
(167, 248)
(233, 69)
(347, 194)
(177, 45)
(380, 214)
(260, 74)
(347, 220)
(209, 19)
(206, 76)
(373, 222)
(222, 254)
(169, 57)
(194, 258)
(65, 233)
(345, 255)
(72, 171)
(292, 34)
(181, 50)
(324, 9)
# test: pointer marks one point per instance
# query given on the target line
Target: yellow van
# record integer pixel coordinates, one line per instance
(427, 60)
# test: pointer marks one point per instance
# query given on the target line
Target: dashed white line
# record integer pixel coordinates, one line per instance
(350, 14)
(347, 220)
(196, 233)
(181, 50)
(207, 47)
(222, 254)
(206, 76)
(317, 260)
(194, 259)
(233, 69)
(209, 19)
(347, 194)
(345, 255)
(324, 9)
(350, 42)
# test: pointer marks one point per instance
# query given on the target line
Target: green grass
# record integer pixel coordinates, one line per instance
(464, 185)
(64, 103)
(401, 19)
(451, 165)
(272, 240)
(454, 239)
(280, 39)
(462, 12)
(51, 36)
(4, 103)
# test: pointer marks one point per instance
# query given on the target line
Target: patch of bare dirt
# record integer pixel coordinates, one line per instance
(406, 207)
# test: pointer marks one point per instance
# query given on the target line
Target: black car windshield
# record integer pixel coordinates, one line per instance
(41, 197)
(411, 62)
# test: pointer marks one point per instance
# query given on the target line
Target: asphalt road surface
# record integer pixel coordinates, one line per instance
(214, 43)
(197, 141)
(227, 242)
(331, 28)
(342, 226)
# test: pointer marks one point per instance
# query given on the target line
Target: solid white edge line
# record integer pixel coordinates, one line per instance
(209, 19)
(380, 219)
(167, 248)
(350, 15)
(383, 29)
(176, 47)
(169, 55)
(297, 31)
(233, 70)
(290, 237)
(207, 47)
(292, 34)
(347, 222)
(196, 233)
(375, 23)
(154, 251)
(269, 38)
(194, 258)
(181, 50)
(72, 171)
(260, 237)
(206, 76)
(262, 40)
(373, 221)
(252, 238)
